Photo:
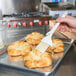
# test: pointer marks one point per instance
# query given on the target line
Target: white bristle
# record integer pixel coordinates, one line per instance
(42, 47)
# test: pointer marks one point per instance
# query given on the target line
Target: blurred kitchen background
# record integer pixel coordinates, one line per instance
(33, 9)
(52, 7)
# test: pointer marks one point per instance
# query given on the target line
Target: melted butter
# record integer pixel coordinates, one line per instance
(35, 56)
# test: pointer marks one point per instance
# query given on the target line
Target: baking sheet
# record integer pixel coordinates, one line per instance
(19, 64)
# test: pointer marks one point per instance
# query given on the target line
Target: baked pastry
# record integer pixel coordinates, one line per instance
(15, 58)
(34, 38)
(36, 59)
(58, 45)
(57, 55)
(18, 48)
(45, 69)
(49, 49)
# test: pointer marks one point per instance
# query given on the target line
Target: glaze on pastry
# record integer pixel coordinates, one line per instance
(37, 59)
(58, 45)
(34, 38)
(18, 48)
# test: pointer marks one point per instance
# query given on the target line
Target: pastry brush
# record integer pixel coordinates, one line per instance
(46, 41)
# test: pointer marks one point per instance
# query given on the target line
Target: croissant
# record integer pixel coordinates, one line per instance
(37, 59)
(18, 48)
(34, 38)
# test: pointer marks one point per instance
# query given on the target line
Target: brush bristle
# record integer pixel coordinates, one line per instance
(42, 47)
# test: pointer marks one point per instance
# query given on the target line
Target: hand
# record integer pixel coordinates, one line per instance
(67, 24)
(68, 20)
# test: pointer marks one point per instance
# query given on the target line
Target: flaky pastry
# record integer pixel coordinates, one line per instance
(58, 45)
(34, 38)
(58, 55)
(44, 69)
(19, 48)
(37, 59)
(49, 49)
(15, 58)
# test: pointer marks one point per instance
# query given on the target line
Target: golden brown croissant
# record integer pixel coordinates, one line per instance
(37, 59)
(58, 55)
(34, 38)
(58, 45)
(18, 48)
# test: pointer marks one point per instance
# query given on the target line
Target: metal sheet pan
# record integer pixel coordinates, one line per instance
(4, 61)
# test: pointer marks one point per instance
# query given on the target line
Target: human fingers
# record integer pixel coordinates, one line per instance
(62, 20)
(65, 28)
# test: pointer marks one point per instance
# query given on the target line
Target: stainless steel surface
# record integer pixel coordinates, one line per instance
(14, 33)
(2, 36)
(1, 15)
(58, 13)
(60, 4)
(57, 9)
(18, 33)
(19, 65)
(68, 65)
(19, 6)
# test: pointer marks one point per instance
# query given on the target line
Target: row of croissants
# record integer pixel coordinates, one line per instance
(25, 51)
